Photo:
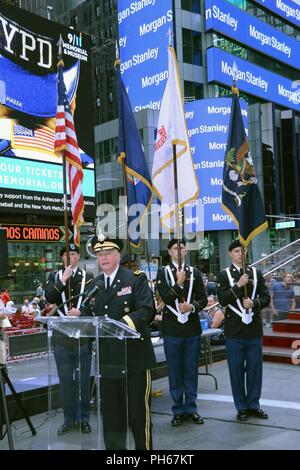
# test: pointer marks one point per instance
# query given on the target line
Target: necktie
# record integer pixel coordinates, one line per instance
(107, 283)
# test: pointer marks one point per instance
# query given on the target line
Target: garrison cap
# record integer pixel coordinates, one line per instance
(174, 241)
(234, 244)
(72, 247)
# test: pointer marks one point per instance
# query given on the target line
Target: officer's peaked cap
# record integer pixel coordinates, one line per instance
(104, 243)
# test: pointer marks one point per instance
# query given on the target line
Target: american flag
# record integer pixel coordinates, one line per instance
(41, 138)
(66, 140)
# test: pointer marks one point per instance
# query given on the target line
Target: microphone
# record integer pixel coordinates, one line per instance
(99, 285)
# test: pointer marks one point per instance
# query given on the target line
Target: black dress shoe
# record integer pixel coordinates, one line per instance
(85, 427)
(65, 428)
(195, 418)
(242, 415)
(178, 420)
(258, 414)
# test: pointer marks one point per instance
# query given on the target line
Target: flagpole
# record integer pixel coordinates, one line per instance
(175, 175)
(65, 194)
(235, 91)
(244, 268)
(126, 221)
(177, 221)
(117, 61)
(148, 261)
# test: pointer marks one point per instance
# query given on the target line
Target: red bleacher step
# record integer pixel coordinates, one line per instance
(281, 355)
(294, 316)
(281, 339)
(292, 326)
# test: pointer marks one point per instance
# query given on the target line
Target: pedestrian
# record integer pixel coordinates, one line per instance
(243, 331)
(283, 297)
(127, 298)
(182, 290)
(74, 391)
(27, 308)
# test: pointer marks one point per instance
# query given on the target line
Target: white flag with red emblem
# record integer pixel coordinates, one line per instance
(171, 130)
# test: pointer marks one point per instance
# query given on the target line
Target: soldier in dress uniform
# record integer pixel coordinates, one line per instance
(243, 331)
(183, 292)
(66, 349)
(126, 298)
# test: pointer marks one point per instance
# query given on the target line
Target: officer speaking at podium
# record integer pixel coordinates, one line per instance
(126, 298)
(66, 349)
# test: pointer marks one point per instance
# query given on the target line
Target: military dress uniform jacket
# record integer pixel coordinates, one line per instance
(169, 294)
(227, 295)
(129, 300)
(53, 293)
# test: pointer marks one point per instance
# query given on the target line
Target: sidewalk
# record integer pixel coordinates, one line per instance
(221, 431)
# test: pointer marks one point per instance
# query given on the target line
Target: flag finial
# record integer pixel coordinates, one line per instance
(235, 89)
(117, 61)
(60, 46)
(235, 71)
(170, 35)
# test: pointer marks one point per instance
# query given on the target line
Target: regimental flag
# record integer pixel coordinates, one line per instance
(66, 140)
(241, 197)
(171, 130)
(130, 148)
(41, 138)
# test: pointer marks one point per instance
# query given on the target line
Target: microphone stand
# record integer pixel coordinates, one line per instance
(99, 284)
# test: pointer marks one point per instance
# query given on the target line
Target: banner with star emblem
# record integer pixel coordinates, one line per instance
(241, 197)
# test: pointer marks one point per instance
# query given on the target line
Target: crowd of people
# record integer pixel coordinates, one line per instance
(30, 308)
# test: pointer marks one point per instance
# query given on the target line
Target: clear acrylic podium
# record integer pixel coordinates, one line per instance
(73, 342)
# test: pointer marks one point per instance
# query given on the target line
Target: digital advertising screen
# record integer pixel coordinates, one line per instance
(31, 175)
(252, 79)
(244, 28)
(287, 9)
(144, 29)
(208, 124)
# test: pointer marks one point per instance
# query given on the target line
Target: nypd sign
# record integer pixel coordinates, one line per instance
(244, 28)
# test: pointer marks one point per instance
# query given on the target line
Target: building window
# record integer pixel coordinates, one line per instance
(191, 47)
(107, 151)
(193, 91)
(191, 5)
(110, 196)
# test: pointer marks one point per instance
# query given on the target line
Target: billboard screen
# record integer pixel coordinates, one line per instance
(31, 176)
(246, 29)
(143, 43)
(208, 124)
(287, 9)
(255, 80)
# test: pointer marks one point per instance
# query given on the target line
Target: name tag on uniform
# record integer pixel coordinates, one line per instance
(124, 291)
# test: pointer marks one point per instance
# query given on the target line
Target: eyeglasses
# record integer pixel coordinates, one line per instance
(105, 253)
